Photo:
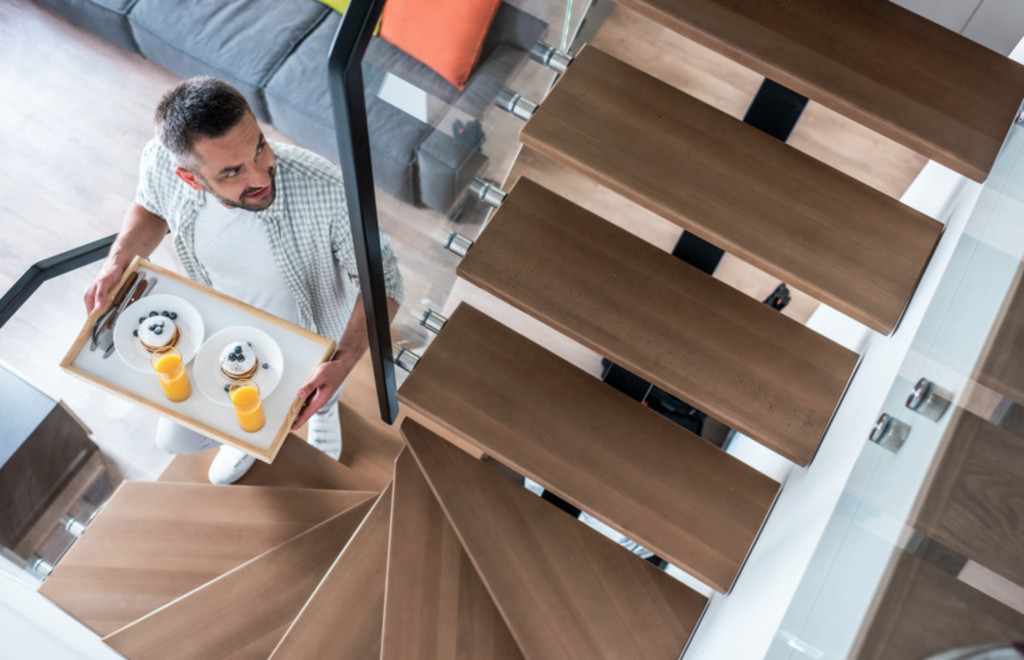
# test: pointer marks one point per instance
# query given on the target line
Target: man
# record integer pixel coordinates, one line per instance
(266, 224)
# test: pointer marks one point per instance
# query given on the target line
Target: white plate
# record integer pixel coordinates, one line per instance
(211, 381)
(189, 322)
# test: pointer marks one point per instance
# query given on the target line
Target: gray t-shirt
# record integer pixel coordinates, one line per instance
(233, 248)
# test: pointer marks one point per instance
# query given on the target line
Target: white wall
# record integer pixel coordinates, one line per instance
(997, 24)
(33, 628)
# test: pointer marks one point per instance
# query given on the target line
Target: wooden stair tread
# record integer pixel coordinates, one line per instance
(344, 616)
(794, 217)
(436, 607)
(900, 74)
(297, 465)
(237, 614)
(660, 485)
(564, 590)
(736, 359)
(154, 542)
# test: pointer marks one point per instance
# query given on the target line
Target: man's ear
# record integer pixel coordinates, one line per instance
(188, 177)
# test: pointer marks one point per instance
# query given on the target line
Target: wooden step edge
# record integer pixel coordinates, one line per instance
(131, 640)
(882, 277)
(435, 605)
(359, 568)
(466, 349)
(776, 354)
(539, 564)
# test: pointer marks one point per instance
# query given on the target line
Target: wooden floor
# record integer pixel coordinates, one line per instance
(77, 110)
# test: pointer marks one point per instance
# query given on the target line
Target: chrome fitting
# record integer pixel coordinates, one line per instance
(458, 244)
(433, 321)
(406, 359)
(929, 400)
(889, 433)
(515, 103)
(39, 566)
(550, 57)
(487, 191)
(1020, 117)
(74, 526)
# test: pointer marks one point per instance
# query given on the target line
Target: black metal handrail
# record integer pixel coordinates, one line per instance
(345, 81)
(49, 268)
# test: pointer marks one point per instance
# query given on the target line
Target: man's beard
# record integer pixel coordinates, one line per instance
(241, 203)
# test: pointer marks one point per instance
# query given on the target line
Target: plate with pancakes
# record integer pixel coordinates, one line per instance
(233, 354)
(154, 322)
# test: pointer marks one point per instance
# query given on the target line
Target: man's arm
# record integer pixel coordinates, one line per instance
(140, 234)
(329, 376)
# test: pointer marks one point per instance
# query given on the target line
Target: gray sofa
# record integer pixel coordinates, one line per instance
(275, 52)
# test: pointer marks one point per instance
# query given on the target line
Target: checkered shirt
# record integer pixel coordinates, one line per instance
(307, 226)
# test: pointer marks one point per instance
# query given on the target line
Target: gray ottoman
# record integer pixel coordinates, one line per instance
(107, 18)
(242, 42)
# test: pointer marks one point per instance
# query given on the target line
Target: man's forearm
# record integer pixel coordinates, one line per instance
(140, 234)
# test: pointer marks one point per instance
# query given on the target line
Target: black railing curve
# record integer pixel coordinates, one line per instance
(47, 269)
(345, 81)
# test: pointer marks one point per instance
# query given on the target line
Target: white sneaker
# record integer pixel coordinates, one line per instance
(325, 432)
(229, 466)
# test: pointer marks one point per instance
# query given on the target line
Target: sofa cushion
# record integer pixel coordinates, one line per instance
(446, 35)
(239, 41)
(505, 48)
(107, 18)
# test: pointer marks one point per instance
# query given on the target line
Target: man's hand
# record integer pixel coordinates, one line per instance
(322, 385)
(109, 275)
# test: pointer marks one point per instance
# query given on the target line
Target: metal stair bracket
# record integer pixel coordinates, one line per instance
(457, 243)
(433, 321)
(515, 103)
(405, 358)
(487, 191)
(550, 57)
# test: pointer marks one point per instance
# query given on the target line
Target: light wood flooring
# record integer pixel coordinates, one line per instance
(75, 112)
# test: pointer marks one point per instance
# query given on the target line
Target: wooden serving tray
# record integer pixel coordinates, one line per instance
(303, 351)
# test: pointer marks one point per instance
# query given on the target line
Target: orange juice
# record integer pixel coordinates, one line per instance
(171, 372)
(245, 395)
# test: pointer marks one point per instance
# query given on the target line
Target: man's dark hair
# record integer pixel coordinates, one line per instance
(197, 108)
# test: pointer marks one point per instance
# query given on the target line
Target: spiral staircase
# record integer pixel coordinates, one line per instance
(453, 560)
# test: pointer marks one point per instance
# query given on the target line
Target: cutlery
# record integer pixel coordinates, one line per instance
(98, 328)
(143, 289)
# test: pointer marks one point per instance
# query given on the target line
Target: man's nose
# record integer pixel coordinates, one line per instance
(259, 178)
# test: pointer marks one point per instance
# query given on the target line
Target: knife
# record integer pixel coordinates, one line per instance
(143, 289)
(98, 328)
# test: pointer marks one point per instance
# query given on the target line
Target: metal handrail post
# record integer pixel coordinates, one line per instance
(345, 81)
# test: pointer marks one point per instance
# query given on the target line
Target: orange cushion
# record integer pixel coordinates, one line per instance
(446, 35)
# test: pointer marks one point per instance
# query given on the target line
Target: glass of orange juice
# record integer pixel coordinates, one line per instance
(245, 395)
(170, 370)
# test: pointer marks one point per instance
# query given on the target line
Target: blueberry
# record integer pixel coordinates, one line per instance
(238, 349)
(142, 320)
(152, 327)
(153, 314)
(266, 366)
(135, 333)
(165, 313)
(172, 316)
(227, 388)
(158, 332)
(231, 357)
(249, 344)
(241, 358)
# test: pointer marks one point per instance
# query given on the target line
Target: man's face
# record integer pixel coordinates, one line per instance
(237, 168)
